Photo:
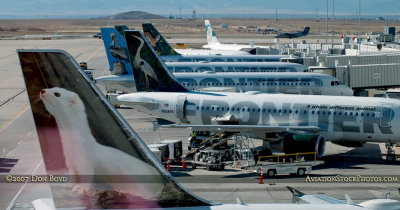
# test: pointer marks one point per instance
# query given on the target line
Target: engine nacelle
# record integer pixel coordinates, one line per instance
(301, 143)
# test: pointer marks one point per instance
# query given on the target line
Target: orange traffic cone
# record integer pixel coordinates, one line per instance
(261, 176)
(168, 166)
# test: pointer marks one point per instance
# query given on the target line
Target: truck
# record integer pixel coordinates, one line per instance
(211, 159)
(296, 164)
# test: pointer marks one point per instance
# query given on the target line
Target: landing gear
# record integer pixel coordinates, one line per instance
(390, 156)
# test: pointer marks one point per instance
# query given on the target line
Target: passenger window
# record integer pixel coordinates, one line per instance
(208, 108)
(312, 112)
(373, 114)
(323, 113)
(332, 83)
(197, 107)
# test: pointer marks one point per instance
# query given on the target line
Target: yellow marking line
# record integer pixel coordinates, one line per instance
(14, 118)
(94, 53)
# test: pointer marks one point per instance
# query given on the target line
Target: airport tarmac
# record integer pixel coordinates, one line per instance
(20, 151)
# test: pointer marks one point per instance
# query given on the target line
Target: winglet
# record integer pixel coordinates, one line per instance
(295, 192)
(348, 200)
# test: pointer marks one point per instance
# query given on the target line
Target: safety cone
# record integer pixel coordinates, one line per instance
(168, 166)
(183, 163)
(261, 176)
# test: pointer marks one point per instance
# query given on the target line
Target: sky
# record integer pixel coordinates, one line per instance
(95, 8)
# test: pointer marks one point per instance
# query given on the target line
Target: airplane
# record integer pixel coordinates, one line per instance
(213, 43)
(288, 83)
(264, 81)
(168, 54)
(156, 38)
(293, 123)
(294, 35)
(203, 66)
(114, 42)
(82, 135)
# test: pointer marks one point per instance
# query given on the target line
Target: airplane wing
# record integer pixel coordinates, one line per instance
(246, 128)
(312, 199)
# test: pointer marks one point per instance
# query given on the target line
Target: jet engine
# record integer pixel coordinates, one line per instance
(298, 143)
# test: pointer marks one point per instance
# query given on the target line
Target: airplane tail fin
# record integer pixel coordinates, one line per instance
(149, 70)
(116, 50)
(306, 30)
(121, 29)
(211, 36)
(157, 40)
(84, 139)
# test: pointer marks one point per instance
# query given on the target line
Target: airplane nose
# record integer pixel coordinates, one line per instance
(42, 92)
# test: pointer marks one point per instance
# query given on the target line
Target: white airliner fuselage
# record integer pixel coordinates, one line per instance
(210, 52)
(336, 118)
(266, 82)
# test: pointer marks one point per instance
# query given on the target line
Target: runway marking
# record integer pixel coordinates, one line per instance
(94, 53)
(13, 118)
(20, 190)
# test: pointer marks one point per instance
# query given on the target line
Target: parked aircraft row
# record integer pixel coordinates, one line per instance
(168, 54)
(264, 80)
(67, 113)
(276, 118)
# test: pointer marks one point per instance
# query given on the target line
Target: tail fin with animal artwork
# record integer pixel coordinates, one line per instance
(211, 36)
(157, 40)
(84, 138)
(149, 70)
(118, 59)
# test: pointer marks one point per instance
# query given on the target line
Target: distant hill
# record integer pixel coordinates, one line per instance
(133, 15)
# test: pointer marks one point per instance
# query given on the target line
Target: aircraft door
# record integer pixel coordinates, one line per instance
(180, 107)
(386, 115)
